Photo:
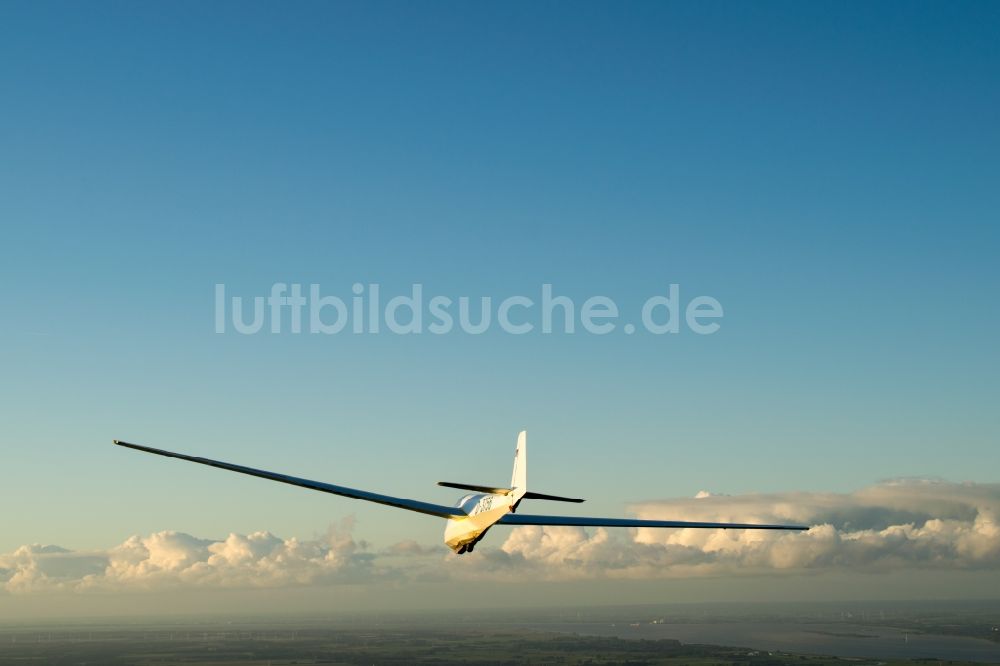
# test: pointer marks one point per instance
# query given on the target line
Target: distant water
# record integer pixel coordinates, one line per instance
(840, 639)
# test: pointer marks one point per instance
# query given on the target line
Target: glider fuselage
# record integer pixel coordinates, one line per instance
(482, 510)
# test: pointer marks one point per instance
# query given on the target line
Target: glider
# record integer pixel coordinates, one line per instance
(473, 515)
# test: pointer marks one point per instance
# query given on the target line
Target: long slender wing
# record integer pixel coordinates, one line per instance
(574, 521)
(411, 505)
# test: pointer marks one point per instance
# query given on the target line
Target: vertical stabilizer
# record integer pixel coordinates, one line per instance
(519, 480)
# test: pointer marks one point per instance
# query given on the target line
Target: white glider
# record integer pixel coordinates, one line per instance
(473, 515)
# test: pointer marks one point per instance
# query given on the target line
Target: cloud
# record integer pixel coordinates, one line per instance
(896, 525)
(166, 560)
(890, 526)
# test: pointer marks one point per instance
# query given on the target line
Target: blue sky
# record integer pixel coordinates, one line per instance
(828, 173)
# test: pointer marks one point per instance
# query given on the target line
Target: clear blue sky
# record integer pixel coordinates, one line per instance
(828, 172)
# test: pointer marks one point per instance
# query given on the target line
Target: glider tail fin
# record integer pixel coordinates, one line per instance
(519, 480)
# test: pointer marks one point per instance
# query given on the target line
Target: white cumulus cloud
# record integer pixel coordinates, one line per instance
(168, 559)
(893, 525)
(902, 525)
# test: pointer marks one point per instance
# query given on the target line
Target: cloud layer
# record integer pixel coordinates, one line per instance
(887, 527)
(891, 526)
(167, 560)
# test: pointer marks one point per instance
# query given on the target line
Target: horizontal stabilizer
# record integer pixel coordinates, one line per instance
(478, 489)
(554, 498)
